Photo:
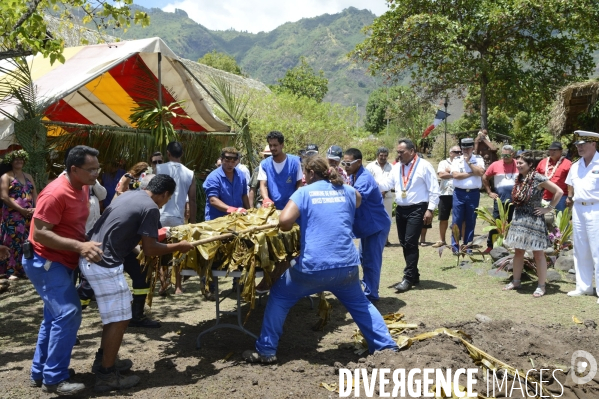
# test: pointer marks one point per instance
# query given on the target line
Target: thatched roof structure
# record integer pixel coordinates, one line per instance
(573, 101)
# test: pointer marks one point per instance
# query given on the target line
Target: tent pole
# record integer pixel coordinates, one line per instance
(160, 79)
(210, 94)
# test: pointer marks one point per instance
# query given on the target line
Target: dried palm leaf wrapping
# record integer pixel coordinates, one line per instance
(247, 244)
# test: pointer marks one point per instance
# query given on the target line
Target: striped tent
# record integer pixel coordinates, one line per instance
(98, 85)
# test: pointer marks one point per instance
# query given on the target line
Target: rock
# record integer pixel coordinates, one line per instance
(564, 263)
(571, 277)
(567, 252)
(571, 271)
(553, 275)
(255, 381)
(465, 265)
(482, 318)
(498, 253)
(498, 274)
(481, 241)
(590, 324)
(549, 251)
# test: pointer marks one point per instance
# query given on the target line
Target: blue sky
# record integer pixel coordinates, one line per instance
(259, 15)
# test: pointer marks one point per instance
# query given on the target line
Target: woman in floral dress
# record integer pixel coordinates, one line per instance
(528, 231)
(19, 196)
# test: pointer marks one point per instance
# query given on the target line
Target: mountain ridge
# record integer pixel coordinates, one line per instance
(323, 40)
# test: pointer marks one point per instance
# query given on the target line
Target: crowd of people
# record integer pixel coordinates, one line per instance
(334, 197)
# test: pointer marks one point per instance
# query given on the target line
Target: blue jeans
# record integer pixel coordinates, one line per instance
(561, 205)
(464, 204)
(62, 318)
(344, 283)
(371, 254)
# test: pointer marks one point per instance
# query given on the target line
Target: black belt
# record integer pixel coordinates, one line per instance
(466, 189)
(413, 205)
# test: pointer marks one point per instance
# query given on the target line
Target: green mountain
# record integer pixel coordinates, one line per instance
(324, 41)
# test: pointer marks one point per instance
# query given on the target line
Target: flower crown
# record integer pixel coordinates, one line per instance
(11, 156)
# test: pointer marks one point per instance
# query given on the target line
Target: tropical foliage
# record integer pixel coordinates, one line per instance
(510, 52)
(302, 81)
(501, 224)
(23, 29)
(222, 61)
(562, 234)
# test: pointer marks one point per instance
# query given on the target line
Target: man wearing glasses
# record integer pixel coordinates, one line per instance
(57, 238)
(466, 171)
(583, 196)
(446, 193)
(504, 174)
(416, 196)
(371, 222)
(555, 167)
(226, 187)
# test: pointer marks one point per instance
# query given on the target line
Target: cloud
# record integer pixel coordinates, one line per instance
(264, 15)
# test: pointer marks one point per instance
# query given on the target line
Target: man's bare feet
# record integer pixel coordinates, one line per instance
(179, 290)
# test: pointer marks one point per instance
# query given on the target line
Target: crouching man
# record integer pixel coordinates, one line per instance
(131, 217)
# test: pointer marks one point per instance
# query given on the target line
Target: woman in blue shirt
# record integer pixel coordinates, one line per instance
(328, 260)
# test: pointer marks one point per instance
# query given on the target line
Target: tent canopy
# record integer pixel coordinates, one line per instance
(100, 84)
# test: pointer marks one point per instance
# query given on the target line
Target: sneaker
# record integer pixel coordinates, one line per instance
(121, 365)
(439, 244)
(580, 293)
(114, 381)
(38, 383)
(251, 356)
(64, 388)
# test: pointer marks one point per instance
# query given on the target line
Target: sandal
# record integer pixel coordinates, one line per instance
(514, 285)
(539, 292)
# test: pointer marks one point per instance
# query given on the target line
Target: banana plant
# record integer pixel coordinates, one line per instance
(501, 224)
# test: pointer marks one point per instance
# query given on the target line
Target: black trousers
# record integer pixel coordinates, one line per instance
(510, 214)
(409, 225)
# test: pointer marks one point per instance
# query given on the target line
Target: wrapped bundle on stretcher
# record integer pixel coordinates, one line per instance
(235, 243)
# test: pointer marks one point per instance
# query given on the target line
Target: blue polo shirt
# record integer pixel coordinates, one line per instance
(371, 216)
(218, 185)
(326, 219)
(281, 185)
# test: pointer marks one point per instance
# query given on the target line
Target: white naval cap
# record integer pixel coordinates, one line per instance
(582, 136)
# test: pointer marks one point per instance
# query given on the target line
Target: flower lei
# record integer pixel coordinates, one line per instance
(523, 188)
(11, 156)
(547, 175)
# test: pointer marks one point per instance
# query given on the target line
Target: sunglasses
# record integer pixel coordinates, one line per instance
(456, 152)
(506, 155)
(225, 158)
(157, 162)
(346, 163)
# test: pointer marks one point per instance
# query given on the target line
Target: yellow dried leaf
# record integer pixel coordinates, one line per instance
(228, 355)
(576, 320)
(330, 388)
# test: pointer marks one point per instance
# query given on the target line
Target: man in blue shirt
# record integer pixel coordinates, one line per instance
(226, 187)
(279, 175)
(371, 224)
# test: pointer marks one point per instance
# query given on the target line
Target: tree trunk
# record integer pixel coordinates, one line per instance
(483, 103)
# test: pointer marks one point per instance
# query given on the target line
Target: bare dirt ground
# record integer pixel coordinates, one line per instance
(523, 332)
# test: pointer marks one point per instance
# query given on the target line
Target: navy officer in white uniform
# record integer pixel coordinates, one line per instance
(467, 171)
(583, 195)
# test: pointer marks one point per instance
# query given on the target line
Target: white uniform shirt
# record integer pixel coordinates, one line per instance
(446, 185)
(459, 165)
(423, 187)
(585, 179)
(379, 174)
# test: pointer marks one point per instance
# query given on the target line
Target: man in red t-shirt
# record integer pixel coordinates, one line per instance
(555, 167)
(58, 239)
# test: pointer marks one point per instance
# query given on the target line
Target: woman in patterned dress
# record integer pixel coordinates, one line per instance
(528, 231)
(19, 196)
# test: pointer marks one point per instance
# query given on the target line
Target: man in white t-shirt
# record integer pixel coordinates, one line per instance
(279, 175)
(446, 193)
(380, 170)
